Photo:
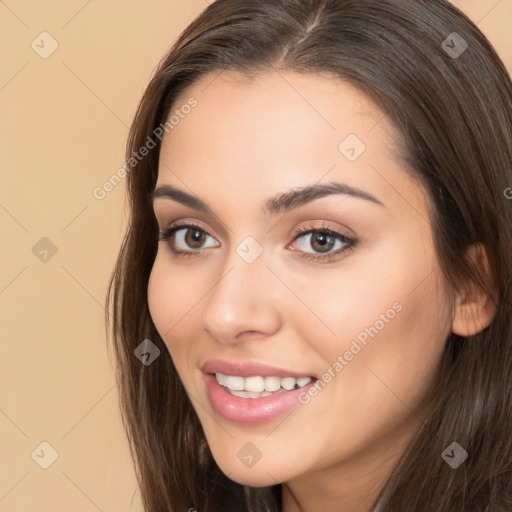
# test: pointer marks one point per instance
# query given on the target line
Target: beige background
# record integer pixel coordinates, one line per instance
(64, 122)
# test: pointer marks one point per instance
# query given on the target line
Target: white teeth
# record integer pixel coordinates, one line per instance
(272, 383)
(303, 381)
(249, 394)
(234, 383)
(256, 386)
(288, 383)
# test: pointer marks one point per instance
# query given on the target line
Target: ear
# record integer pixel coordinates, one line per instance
(474, 307)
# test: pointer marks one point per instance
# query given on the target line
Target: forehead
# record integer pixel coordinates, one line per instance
(286, 102)
(257, 136)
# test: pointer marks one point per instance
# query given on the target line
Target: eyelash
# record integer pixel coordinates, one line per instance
(349, 242)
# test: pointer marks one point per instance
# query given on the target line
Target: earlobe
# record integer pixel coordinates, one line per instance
(473, 316)
(474, 307)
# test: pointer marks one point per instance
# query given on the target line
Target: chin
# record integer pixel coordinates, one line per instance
(250, 478)
(255, 476)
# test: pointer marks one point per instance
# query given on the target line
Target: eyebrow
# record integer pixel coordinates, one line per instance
(279, 204)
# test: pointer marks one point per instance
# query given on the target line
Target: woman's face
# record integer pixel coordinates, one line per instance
(360, 309)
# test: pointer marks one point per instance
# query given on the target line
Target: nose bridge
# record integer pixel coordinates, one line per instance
(239, 300)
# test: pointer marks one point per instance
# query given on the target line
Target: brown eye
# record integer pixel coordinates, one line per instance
(194, 237)
(187, 238)
(322, 242)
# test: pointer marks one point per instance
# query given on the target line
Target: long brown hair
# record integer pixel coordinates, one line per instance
(450, 98)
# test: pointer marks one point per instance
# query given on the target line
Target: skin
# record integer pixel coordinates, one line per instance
(246, 141)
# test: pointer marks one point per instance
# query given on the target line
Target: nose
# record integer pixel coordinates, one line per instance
(242, 302)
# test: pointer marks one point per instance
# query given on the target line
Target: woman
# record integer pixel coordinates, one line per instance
(312, 304)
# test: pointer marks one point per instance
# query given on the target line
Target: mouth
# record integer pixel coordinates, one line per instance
(251, 392)
(258, 386)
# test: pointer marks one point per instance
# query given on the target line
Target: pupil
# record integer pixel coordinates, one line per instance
(194, 237)
(325, 242)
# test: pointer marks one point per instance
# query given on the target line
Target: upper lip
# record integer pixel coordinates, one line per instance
(248, 369)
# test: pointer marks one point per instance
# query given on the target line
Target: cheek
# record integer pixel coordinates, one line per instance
(378, 370)
(170, 300)
(392, 350)
(176, 297)
(379, 321)
(171, 305)
(157, 296)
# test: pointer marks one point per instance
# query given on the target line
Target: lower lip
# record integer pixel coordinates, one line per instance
(251, 410)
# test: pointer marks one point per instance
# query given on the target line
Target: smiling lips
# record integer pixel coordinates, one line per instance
(251, 393)
(258, 386)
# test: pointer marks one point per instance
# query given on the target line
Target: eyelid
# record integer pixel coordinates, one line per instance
(165, 212)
